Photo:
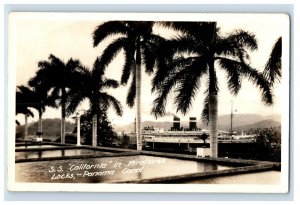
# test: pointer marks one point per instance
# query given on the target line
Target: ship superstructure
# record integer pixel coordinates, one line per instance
(192, 134)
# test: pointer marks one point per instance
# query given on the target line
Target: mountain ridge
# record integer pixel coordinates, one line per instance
(241, 122)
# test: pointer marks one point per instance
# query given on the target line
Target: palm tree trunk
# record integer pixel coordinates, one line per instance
(94, 135)
(63, 140)
(213, 124)
(78, 130)
(26, 127)
(138, 97)
(40, 123)
(213, 113)
(63, 115)
(213, 101)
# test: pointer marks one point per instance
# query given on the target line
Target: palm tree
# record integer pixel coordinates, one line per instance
(55, 76)
(139, 45)
(272, 69)
(23, 95)
(91, 85)
(194, 57)
(38, 99)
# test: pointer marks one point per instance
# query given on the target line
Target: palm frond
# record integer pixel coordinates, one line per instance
(159, 103)
(108, 29)
(166, 69)
(111, 51)
(258, 79)
(224, 46)
(164, 64)
(233, 70)
(201, 30)
(172, 54)
(80, 89)
(228, 48)
(272, 69)
(112, 101)
(129, 65)
(205, 110)
(82, 69)
(44, 66)
(29, 113)
(189, 84)
(54, 94)
(75, 99)
(148, 52)
(23, 101)
(141, 28)
(170, 81)
(109, 83)
(156, 39)
(130, 99)
(36, 98)
(56, 62)
(98, 69)
(244, 39)
(41, 77)
(72, 65)
(186, 44)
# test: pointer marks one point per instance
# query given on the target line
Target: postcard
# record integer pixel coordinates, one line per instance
(148, 102)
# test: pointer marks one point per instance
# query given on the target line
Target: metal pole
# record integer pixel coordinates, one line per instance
(26, 127)
(231, 115)
(78, 130)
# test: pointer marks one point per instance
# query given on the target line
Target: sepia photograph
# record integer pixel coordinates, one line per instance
(107, 102)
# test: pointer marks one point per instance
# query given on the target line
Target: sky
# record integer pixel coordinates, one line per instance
(35, 37)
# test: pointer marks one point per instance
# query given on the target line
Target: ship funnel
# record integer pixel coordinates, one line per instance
(176, 123)
(193, 123)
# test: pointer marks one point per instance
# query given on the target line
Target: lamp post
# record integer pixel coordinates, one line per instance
(77, 118)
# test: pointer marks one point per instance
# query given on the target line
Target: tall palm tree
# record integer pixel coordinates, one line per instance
(38, 99)
(272, 69)
(55, 76)
(23, 95)
(91, 85)
(195, 55)
(139, 45)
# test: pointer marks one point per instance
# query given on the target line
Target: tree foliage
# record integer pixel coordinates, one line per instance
(139, 44)
(106, 135)
(92, 85)
(268, 141)
(55, 77)
(194, 58)
(272, 69)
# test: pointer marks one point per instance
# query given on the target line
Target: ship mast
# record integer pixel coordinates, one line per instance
(231, 116)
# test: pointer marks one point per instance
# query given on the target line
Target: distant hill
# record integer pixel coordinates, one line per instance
(240, 120)
(261, 124)
(51, 127)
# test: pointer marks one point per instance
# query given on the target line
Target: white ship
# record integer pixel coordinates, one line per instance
(191, 135)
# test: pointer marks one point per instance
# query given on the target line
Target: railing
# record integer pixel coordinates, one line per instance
(191, 140)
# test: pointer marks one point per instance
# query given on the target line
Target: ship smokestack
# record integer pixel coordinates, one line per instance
(193, 123)
(176, 123)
